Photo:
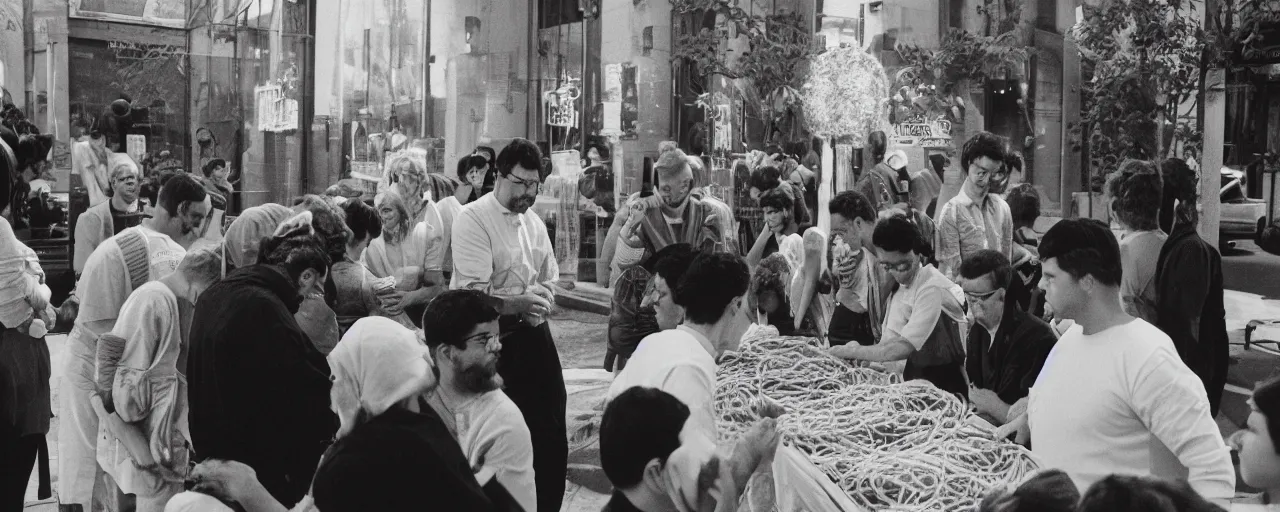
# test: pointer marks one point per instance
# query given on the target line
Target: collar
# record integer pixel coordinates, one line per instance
(964, 198)
(516, 219)
(702, 339)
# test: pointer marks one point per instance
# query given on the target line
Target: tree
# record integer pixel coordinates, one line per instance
(768, 74)
(1142, 62)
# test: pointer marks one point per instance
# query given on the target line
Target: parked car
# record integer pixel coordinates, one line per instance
(1242, 216)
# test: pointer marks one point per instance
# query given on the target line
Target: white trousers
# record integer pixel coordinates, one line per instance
(77, 423)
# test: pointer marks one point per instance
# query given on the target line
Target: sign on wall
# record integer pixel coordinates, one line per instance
(918, 131)
(276, 113)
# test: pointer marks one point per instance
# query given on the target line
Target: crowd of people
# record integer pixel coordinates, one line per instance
(337, 354)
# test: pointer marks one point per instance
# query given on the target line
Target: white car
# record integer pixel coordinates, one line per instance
(1242, 216)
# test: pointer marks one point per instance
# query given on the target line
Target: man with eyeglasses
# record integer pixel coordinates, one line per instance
(923, 325)
(1007, 346)
(108, 218)
(500, 246)
(461, 330)
(975, 219)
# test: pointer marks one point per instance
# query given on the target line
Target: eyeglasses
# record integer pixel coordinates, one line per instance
(491, 340)
(901, 266)
(978, 297)
(983, 172)
(527, 184)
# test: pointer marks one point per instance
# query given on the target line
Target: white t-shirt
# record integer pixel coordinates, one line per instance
(493, 434)
(679, 362)
(1121, 401)
(104, 285)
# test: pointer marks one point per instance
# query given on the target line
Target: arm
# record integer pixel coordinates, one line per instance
(1171, 402)
(87, 238)
(947, 241)
(508, 451)
(813, 247)
(472, 254)
(885, 351)
(757, 249)
(1182, 297)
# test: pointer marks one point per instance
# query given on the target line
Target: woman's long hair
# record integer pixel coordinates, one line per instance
(394, 233)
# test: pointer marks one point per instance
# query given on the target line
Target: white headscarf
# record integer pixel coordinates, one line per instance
(242, 237)
(383, 363)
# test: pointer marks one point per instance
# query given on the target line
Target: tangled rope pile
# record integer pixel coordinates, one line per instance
(889, 444)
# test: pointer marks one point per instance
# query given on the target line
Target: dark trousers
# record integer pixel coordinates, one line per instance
(847, 326)
(19, 458)
(532, 378)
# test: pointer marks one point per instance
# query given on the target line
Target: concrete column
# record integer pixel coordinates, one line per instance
(12, 58)
(1215, 109)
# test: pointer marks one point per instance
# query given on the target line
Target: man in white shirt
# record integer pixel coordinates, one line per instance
(500, 246)
(118, 266)
(461, 330)
(1114, 397)
(925, 323)
(682, 361)
(975, 219)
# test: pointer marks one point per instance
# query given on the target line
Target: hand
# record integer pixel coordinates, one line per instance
(768, 408)
(1018, 408)
(545, 292)
(761, 440)
(225, 479)
(844, 352)
(526, 304)
(985, 400)
(766, 232)
(391, 301)
(1236, 440)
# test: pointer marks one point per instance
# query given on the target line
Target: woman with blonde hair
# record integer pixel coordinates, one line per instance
(411, 252)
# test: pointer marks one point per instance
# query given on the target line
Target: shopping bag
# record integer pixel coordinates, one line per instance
(800, 487)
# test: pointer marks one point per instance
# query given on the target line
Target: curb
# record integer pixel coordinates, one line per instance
(579, 300)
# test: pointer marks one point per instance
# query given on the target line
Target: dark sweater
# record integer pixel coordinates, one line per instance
(1013, 361)
(1190, 307)
(258, 388)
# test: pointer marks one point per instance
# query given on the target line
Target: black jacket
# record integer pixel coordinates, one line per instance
(1018, 352)
(258, 388)
(1190, 307)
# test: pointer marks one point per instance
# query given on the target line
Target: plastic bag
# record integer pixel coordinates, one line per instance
(800, 487)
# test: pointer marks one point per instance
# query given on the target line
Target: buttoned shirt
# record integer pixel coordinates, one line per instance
(499, 251)
(966, 226)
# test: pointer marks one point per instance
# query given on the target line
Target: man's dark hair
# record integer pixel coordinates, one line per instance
(877, 144)
(1049, 491)
(1143, 494)
(1136, 189)
(766, 177)
(639, 425)
(711, 283)
(295, 253)
(671, 262)
(451, 316)
(982, 144)
(363, 220)
(329, 222)
(522, 152)
(986, 262)
(1013, 162)
(464, 165)
(851, 204)
(777, 199)
(1266, 397)
(1024, 205)
(211, 165)
(1083, 247)
(604, 152)
(1182, 185)
(898, 234)
(179, 190)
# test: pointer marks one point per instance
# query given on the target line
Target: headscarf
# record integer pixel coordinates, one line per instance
(382, 363)
(241, 240)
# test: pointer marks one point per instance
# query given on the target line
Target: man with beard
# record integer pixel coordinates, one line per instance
(108, 218)
(118, 266)
(501, 247)
(975, 219)
(258, 387)
(461, 330)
